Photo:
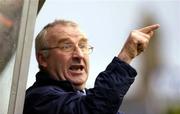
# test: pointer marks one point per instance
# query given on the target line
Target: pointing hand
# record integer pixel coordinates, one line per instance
(137, 41)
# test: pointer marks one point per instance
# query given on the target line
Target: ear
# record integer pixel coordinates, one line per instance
(42, 60)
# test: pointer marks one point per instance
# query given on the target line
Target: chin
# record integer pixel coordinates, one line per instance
(79, 85)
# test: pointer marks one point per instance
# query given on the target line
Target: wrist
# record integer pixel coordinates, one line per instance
(124, 57)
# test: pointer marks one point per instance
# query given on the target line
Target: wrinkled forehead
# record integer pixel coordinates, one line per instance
(60, 32)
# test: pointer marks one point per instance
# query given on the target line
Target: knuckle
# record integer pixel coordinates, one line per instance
(134, 33)
(146, 41)
(133, 36)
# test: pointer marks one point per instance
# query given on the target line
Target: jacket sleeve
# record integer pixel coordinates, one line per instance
(105, 98)
(110, 87)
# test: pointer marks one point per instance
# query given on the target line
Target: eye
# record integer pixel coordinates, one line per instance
(83, 46)
(66, 46)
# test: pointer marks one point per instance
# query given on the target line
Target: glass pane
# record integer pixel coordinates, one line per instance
(10, 15)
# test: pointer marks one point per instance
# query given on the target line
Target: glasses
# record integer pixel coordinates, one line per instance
(69, 47)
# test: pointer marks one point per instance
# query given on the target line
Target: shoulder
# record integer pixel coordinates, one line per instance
(43, 91)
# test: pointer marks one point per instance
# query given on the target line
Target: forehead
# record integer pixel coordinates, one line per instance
(59, 32)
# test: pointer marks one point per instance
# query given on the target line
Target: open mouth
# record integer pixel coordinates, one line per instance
(76, 67)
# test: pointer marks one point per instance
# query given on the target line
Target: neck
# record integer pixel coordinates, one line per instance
(79, 87)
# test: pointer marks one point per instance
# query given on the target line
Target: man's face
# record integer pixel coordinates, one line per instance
(72, 66)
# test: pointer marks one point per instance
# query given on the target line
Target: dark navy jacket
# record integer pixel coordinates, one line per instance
(48, 96)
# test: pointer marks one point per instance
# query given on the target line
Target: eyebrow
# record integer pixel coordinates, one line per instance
(63, 40)
(83, 39)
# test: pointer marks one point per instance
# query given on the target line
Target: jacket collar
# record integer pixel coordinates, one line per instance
(43, 78)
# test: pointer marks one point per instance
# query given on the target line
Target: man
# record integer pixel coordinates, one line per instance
(62, 54)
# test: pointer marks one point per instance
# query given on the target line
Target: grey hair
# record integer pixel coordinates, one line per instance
(41, 41)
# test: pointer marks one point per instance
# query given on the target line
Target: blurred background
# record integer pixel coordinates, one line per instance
(108, 23)
(10, 15)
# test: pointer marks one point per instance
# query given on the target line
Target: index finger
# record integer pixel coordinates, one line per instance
(149, 28)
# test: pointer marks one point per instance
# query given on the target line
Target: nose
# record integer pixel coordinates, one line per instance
(78, 52)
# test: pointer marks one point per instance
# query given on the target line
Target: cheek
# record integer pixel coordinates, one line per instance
(87, 63)
(62, 64)
(59, 61)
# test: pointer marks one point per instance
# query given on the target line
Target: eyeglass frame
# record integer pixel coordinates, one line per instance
(89, 48)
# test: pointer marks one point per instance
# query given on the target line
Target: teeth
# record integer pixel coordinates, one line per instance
(76, 67)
